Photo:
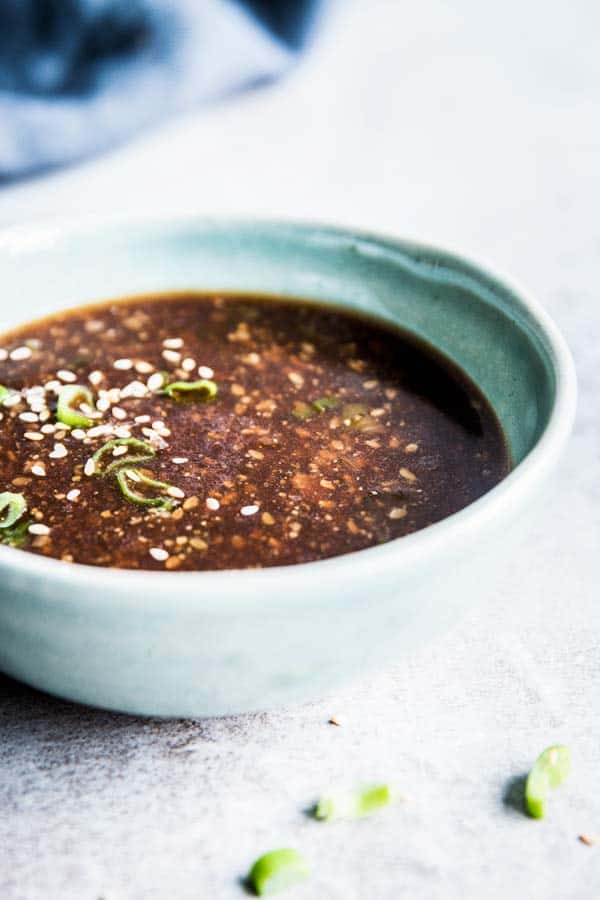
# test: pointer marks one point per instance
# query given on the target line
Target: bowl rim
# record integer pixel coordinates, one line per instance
(401, 553)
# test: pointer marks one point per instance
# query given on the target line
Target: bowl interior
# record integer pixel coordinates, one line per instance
(476, 321)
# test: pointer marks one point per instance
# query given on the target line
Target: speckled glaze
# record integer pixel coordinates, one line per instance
(211, 643)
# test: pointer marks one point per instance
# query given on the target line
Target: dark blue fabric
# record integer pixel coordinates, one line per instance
(77, 76)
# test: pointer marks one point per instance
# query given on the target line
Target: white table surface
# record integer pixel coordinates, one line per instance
(468, 123)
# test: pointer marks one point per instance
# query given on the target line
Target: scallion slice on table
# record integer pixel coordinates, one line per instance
(191, 391)
(70, 398)
(550, 769)
(141, 451)
(128, 477)
(278, 870)
(354, 804)
(12, 507)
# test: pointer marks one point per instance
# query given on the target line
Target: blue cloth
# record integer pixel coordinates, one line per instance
(77, 76)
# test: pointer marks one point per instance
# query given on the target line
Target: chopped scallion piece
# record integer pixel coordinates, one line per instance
(126, 477)
(278, 870)
(4, 392)
(324, 403)
(17, 534)
(550, 769)
(70, 398)
(141, 452)
(191, 391)
(14, 504)
(354, 804)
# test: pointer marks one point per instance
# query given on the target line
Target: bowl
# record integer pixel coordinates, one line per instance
(214, 643)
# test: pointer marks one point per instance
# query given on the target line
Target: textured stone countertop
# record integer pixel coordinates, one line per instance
(467, 123)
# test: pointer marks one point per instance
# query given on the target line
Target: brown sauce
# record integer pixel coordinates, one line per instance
(328, 433)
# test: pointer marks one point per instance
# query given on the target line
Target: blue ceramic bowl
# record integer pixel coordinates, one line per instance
(209, 643)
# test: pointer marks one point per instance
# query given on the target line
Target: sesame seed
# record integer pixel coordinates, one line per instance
(78, 433)
(155, 382)
(133, 389)
(188, 364)
(143, 367)
(28, 417)
(59, 452)
(74, 494)
(121, 432)
(205, 372)
(47, 429)
(133, 475)
(296, 379)
(95, 377)
(212, 503)
(99, 430)
(171, 356)
(158, 554)
(123, 364)
(398, 512)
(3, 354)
(38, 528)
(20, 353)
(12, 399)
(38, 469)
(411, 448)
(120, 451)
(53, 386)
(67, 376)
(173, 343)
(180, 460)
(90, 467)
(113, 396)
(249, 510)
(141, 420)
(175, 492)
(103, 404)
(119, 413)
(34, 436)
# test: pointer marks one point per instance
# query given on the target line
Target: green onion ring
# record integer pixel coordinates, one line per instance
(70, 397)
(354, 804)
(146, 452)
(550, 769)
(15, 504)
(191, 391)
(278, 870)
(125, 475)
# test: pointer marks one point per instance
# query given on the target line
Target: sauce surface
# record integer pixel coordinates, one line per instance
(328, 433)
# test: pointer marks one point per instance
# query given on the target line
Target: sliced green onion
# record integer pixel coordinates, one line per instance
(15, 505)
(125, 476)
(550, 769)
(17, 534)
(142, 451)
(4, 392)
(70, 397)
(278, 870)
(324, 403)
(191, 391)
(354, 804)
(304, 410)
